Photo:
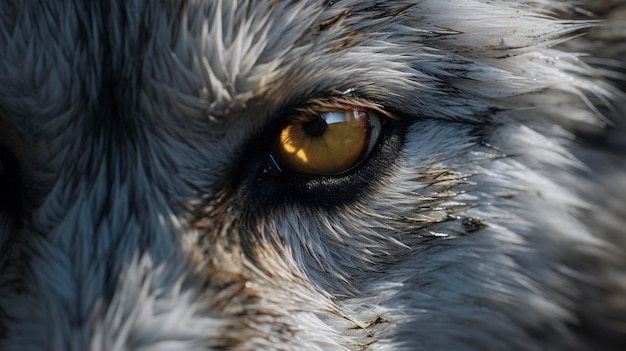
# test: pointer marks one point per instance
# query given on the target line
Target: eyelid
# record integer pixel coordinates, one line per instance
(340, 102)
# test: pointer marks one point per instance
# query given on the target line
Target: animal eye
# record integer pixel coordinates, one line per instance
(327, 143)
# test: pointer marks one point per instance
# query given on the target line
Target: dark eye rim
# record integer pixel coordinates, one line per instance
(275, 189)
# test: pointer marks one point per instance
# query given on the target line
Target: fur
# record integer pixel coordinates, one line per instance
(489, 217)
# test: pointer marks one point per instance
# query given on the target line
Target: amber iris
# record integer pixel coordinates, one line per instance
(324, 144)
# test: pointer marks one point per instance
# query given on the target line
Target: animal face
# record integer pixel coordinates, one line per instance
(308, 175)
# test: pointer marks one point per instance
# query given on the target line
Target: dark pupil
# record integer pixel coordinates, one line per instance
(315, 127)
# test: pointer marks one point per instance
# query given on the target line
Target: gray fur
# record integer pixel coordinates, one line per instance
(140, 130)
